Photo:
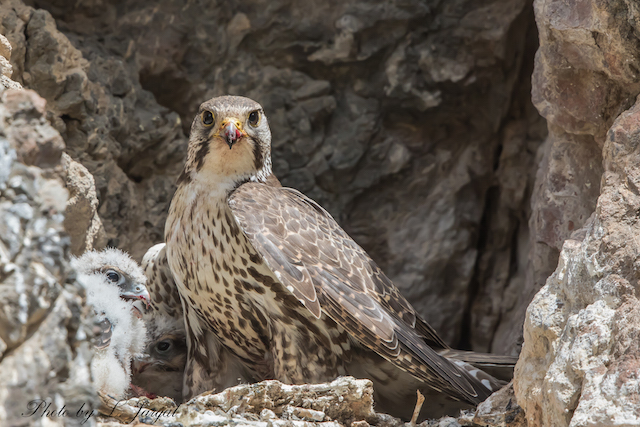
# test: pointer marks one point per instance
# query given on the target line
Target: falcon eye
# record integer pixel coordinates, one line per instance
(113, 276)
(254, 118)
(207, 118)
(163, 346)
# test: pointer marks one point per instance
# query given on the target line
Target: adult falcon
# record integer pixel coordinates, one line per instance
(285, 289)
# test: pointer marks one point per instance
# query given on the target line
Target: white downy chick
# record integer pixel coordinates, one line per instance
(114, 283)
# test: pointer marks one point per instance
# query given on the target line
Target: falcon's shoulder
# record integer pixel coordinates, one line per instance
(328, 271)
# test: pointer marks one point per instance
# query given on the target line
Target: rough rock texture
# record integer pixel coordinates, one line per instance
(44, 352)
(499, 410)
(580, 362)
(6, 70)
(81, 218)
(338, 403)
(577, 366)
(343, 402)
(586, 74)
(422, 142)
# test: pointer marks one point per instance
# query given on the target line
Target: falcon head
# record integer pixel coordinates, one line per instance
(168, 353)
(230, 143)
(113, 267)
(129, 287)
(159, 371)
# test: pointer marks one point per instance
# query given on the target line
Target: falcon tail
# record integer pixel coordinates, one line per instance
(498, 366)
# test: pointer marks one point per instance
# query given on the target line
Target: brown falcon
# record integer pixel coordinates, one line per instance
(284, 288)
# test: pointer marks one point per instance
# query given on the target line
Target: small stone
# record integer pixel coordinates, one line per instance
(307, 414)
(267, 414)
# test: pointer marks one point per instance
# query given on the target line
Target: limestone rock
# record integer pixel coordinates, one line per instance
(81, 218)
(5, 66)
(585, 75)
(49, 371)
(32, 199)
(338, 403)
(44, 351)
(500, 410)
(579, 363)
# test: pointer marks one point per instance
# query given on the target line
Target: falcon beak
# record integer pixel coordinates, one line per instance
(231, 131)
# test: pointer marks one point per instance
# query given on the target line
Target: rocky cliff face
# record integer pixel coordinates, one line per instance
(44, 323)
(579, 365)
(411, 121)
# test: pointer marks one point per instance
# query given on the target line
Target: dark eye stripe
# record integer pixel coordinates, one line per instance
(258, 158)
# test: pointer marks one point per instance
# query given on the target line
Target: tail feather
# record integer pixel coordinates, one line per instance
(498, 366)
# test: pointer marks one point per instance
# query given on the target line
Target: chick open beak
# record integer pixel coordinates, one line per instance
(231, 131)
(143, 295)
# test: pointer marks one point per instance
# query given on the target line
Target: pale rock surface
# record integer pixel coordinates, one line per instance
(32, 199)
(338, 403)
(345, 402)
(81, 219)
(585, 75)
(580, 362)
(6, 70)
(44, 324)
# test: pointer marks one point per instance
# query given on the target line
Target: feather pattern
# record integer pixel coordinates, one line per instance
(268, 274)
(328, 271)
(157, 370)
